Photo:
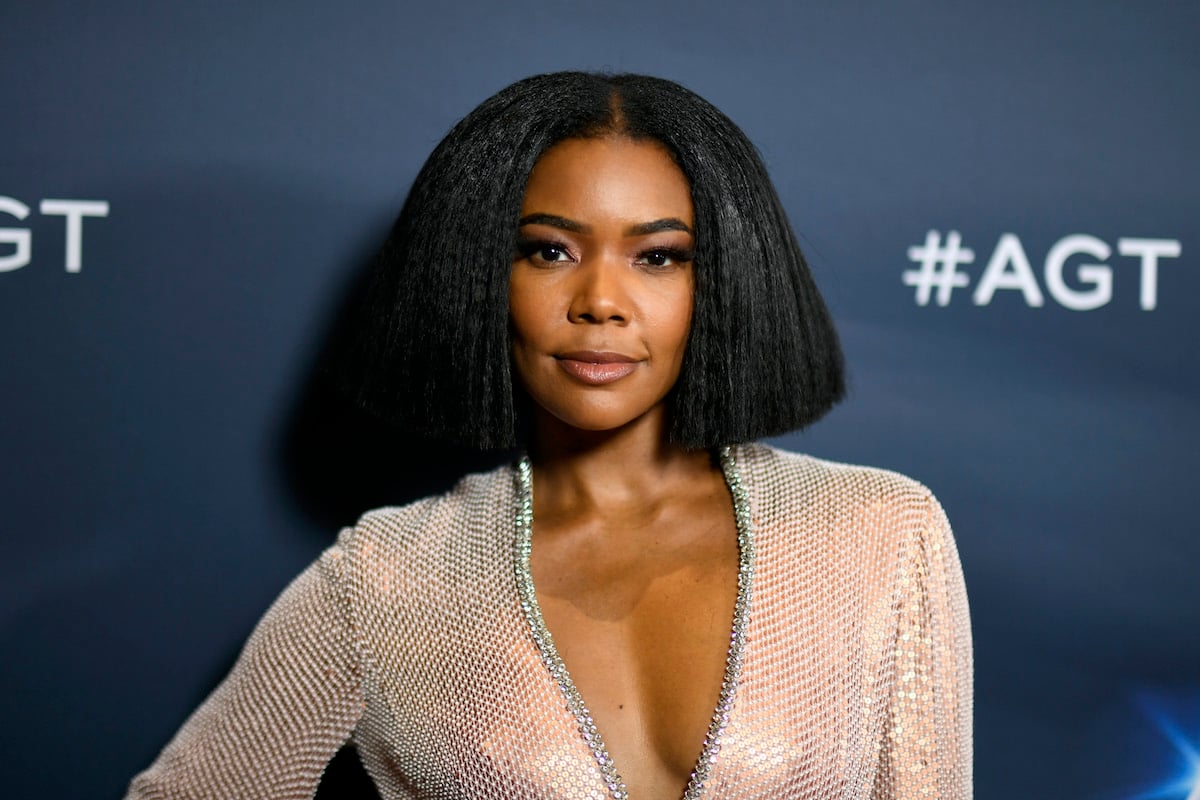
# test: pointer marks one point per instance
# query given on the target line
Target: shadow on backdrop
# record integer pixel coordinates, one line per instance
(339, 460)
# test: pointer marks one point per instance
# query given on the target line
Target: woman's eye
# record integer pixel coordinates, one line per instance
(543, 252)
(664, 258)
(549, 252)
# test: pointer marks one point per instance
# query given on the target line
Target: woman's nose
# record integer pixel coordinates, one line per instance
(599, 293)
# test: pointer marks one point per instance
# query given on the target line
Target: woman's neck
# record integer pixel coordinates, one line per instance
(633, 465)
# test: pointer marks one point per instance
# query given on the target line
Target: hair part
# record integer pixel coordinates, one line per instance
(431, 349)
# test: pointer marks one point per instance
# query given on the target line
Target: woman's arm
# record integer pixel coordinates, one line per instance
(291, 701)
(926, 747)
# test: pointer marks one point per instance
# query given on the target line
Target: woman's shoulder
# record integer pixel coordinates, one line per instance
(796, 490)
(788, 471)
(431, 522)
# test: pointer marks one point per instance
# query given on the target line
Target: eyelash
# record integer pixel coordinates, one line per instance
(530, 248)
(677, 256)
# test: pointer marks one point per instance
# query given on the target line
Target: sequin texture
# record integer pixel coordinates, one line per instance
(852, 681)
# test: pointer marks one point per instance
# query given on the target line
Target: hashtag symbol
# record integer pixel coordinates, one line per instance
(939, 267)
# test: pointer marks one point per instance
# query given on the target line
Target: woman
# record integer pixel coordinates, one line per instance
(597, 268)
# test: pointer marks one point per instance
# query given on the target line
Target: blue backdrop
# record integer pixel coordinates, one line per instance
(999, 200)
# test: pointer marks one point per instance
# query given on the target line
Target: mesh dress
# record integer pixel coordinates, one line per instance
(412, 637)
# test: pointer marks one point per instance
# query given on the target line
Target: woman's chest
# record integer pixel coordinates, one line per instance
(463, 702)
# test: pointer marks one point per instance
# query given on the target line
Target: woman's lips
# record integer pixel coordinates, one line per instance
(596, 368)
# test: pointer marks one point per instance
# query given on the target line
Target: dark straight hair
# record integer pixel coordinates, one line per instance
(430, 350)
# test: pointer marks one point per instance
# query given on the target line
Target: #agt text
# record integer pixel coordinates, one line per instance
(21, 239)
(937, 274)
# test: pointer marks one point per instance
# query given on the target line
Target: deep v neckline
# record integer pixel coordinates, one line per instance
(558, 668)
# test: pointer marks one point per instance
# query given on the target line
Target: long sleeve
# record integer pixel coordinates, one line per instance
(927, 747)
(291, 701)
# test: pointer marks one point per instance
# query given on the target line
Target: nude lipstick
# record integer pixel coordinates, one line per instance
(596, 368)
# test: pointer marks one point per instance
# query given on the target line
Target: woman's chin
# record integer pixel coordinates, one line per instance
(602, 423)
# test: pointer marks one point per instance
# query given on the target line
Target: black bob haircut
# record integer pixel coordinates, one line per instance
(430, 350)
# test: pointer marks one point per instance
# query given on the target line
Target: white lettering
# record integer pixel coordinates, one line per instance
(1008, 268)
(1099, 275)
(19, 237)
(1150, 250)
(75, 211)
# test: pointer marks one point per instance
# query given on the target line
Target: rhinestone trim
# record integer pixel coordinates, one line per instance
(558, 669)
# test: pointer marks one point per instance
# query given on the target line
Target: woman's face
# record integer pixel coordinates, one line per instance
(602, 282)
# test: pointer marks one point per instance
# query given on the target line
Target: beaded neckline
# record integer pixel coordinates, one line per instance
(558, 669)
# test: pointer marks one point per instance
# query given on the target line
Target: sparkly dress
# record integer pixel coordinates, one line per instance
(418, 637)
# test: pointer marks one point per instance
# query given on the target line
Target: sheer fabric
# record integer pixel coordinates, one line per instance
(407, 636)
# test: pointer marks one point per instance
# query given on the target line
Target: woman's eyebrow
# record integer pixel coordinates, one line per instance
(554, 221)
(640, 229)
(667, 224)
